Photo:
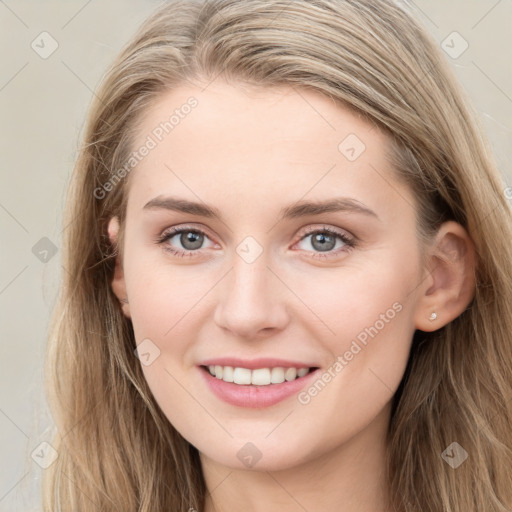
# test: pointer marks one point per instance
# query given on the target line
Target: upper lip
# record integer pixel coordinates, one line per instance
(253, 364)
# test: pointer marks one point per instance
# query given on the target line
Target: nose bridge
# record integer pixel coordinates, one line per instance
(251, 300)
(250, 263)
(250, 277)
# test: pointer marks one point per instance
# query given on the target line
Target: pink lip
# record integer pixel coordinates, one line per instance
(253, 364)
(252, 395)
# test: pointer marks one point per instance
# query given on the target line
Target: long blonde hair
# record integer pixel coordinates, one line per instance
(117, 450)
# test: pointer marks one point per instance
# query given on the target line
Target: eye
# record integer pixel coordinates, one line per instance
(325, 240)
(191, 239)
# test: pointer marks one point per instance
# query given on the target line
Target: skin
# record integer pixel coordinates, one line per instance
(250, 152)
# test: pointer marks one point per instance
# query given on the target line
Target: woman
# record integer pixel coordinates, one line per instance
(289, 273)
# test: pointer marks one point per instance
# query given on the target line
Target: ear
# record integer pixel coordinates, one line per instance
(118, 282)
(450, 285)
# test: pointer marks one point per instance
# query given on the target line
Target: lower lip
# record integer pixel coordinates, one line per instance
(252, 395)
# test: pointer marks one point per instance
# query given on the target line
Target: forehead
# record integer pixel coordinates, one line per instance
(272, 115)
(256, 145)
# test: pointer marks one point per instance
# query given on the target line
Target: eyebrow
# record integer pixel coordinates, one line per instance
(293, 211)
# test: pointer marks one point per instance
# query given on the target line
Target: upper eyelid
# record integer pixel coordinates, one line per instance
(306, 231)
(176, 230)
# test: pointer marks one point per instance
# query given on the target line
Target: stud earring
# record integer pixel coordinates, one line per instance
(433, 316)
(124, 300)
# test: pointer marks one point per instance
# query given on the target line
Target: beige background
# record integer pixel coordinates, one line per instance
(43, 104)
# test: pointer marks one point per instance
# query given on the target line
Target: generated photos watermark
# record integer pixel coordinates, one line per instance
(343, 360)
(152, 140)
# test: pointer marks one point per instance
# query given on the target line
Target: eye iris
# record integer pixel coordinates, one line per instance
(321, 239)
(196, 239)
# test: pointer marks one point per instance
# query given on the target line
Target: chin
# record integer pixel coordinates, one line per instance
(255, 456)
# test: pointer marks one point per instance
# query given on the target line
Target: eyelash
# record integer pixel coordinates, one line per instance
(167, 235)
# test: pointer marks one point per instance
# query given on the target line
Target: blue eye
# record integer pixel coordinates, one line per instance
(191, 239)
(325, 240)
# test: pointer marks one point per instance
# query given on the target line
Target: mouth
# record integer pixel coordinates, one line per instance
(257, 387)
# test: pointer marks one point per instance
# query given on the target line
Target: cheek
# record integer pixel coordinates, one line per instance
(360, 301)
(367, 326)
(164, 310)
(161, 295)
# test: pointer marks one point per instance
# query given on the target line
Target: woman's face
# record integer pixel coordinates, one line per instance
(255, 280)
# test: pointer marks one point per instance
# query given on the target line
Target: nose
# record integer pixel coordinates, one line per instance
(252, 300)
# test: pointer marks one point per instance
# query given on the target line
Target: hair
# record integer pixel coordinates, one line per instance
(117, 450)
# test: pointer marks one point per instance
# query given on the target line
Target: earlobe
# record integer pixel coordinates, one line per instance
(450, 286)
(118, 281)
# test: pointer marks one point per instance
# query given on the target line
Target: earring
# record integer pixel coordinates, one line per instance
(433, 316)
(125, 300)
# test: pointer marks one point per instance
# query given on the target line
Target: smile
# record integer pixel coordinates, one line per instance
(258, 376)
(255, 388)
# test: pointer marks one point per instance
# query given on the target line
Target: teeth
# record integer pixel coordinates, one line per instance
(290, 374)
(260, 377)
(227, 374)
(277, 375)
(240, 375)
(302, 372)
(257, 377)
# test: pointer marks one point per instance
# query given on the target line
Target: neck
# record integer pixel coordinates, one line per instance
(349, 477)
